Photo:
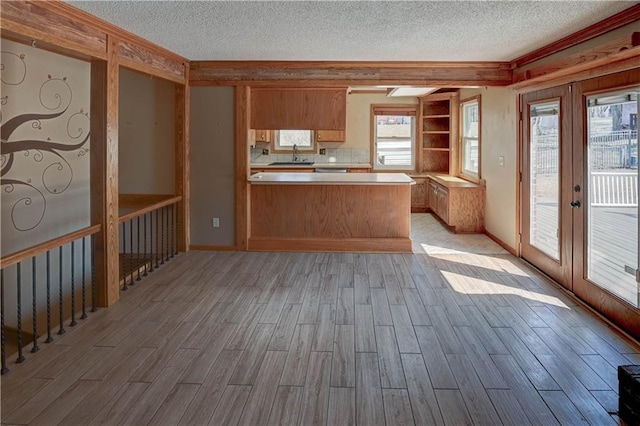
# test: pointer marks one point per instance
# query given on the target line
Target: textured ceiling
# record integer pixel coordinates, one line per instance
(352, 30)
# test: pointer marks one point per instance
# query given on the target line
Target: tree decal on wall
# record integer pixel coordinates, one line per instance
(52, 174)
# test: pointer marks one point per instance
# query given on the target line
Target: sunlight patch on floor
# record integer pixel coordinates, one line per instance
(469, 285)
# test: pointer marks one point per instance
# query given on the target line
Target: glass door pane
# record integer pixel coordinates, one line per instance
(612, 196)
(544, 154)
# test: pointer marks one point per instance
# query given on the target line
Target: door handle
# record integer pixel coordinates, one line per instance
(575, 204)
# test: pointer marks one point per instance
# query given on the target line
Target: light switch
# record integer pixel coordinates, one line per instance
(501, 161)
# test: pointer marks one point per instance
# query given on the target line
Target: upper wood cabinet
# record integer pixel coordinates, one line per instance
(299, 108)
(263, 135)
(330, 135)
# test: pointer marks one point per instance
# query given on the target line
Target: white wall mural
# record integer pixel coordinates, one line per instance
(44, 161)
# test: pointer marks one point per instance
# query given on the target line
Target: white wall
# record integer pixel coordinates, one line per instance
(499, 139)
(212, 165)
(146, 136)
(45, 191)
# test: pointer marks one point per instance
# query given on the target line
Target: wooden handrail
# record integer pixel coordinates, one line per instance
(146, 208)
(30, 252)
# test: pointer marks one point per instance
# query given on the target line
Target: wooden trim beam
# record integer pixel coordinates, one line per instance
(77, 15)
(32, 20)
(611, 23)
(182, 164)
(104, 172)
(340, 74)
(65, 29)
(141, 58)
(583, 58)
(242, 120)
(583, 65)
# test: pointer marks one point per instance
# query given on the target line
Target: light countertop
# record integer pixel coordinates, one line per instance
(313, 166)
(288, 178)
(447, 181)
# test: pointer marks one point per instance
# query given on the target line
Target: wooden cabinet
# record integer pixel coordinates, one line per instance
(358, 170)
(438, 133)
(419, 195)
(298, 108)
(330, 135)
(263, 136)
(439, 200)
(460, 204)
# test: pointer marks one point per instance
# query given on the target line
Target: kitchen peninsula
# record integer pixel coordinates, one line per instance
(345, 212)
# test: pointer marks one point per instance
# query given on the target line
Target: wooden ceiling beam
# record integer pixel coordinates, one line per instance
(580, 65)
(61, 28)
(611, 23)
(332, 74)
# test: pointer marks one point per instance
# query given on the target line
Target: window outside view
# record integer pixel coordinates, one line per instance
(288, 138)
(394, 141)
(544, 214)
(470, 136)
(612, 216)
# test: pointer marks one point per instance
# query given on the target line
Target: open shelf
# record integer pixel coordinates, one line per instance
(435, 124)
(438, 132)
(435, 140)
(436, 161)
(438, 107)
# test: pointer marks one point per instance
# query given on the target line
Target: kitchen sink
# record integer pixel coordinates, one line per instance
(291, 163)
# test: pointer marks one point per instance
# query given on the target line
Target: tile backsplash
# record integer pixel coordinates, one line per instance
(341, 155)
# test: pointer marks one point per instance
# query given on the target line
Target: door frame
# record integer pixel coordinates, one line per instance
(560, 270)
(605, 302)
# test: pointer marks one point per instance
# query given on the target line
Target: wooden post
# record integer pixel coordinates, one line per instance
(242, 113)
(182, 168)
(104, 172)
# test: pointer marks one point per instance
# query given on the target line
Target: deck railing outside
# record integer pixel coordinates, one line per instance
(614, 189)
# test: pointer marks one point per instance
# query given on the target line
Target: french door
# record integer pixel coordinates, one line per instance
(580, 191)
(546, 182)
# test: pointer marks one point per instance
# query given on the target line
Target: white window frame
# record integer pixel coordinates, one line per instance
(466, 138)
(398, 110)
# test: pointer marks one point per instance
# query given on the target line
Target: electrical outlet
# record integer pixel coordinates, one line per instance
(501, 161)
(323, 151)
(265, 152)
(216, 222)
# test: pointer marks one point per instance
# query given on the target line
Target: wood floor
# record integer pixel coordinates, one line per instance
(434, 337)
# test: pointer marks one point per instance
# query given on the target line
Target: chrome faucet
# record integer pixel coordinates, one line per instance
(295, 153)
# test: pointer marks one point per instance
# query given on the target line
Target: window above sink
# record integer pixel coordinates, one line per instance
(284, 140)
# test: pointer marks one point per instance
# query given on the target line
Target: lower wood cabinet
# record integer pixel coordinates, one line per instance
(419, 195)
(357, 170)
(460, 204)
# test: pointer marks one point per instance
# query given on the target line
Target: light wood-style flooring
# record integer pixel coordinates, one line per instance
(441, 336)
